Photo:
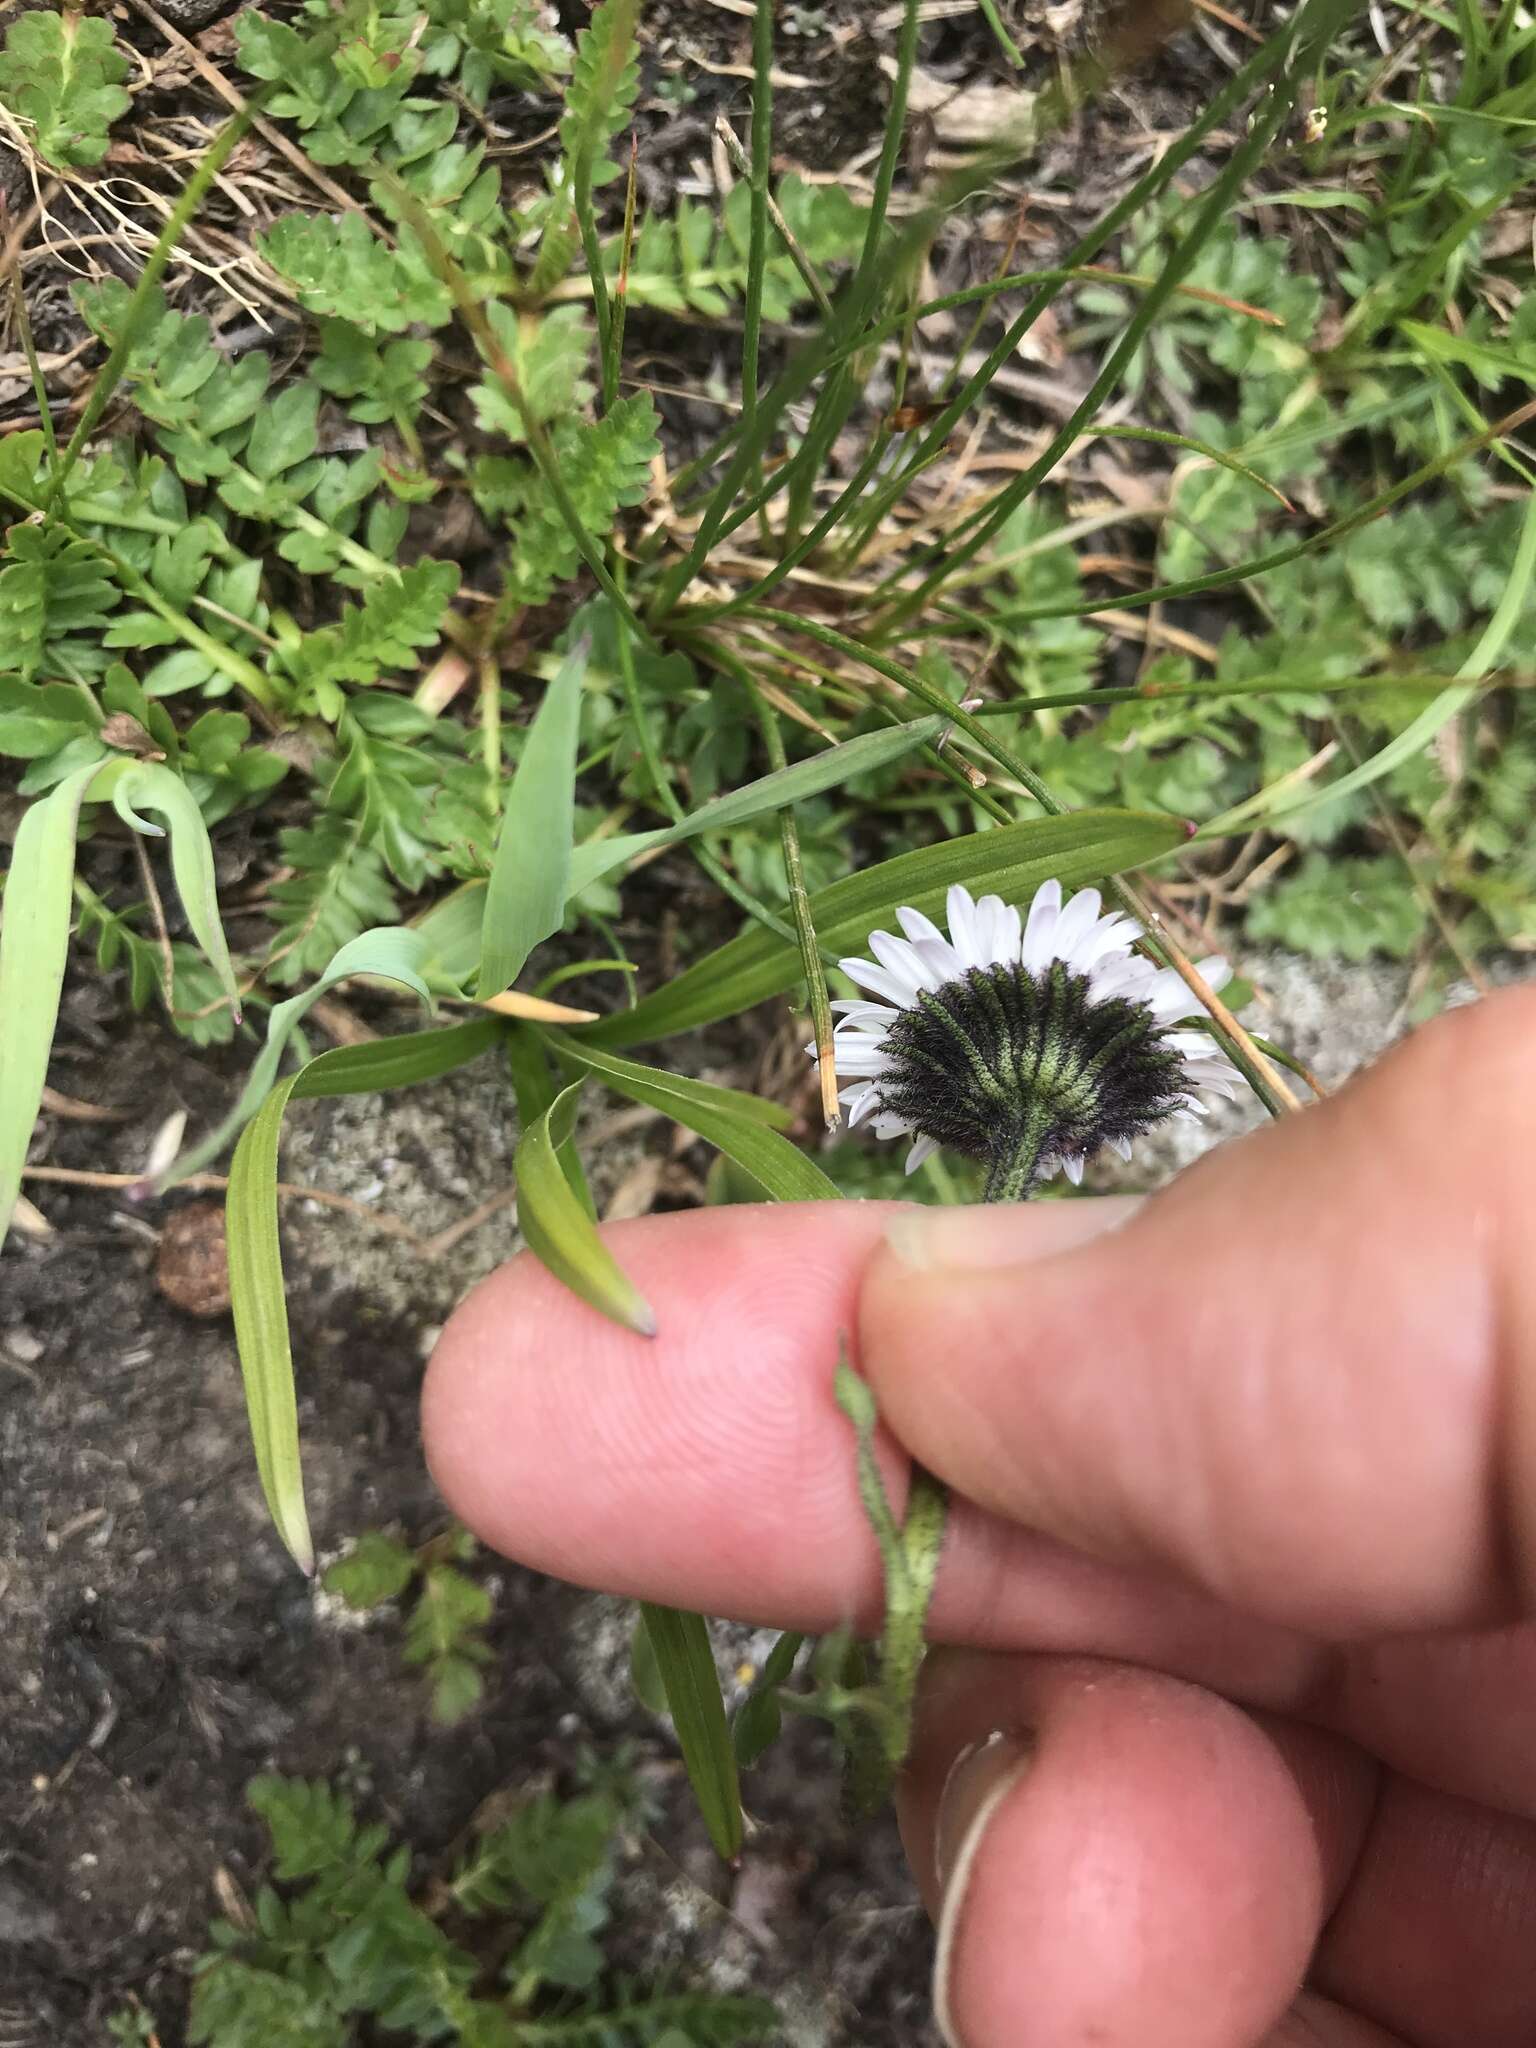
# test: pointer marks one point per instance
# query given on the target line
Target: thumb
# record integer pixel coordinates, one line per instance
(1304, 1376)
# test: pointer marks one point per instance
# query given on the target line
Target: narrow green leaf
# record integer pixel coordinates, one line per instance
(559, 1230)
(1287, 801)
(791, 785)
(155, 788)
(454, 927)
(403, 1062)
(622, 1074)
(531, 873)
(256, 1288)
(687, 1666)
(450, 934)
(1491, 364)
(1011, 860)
(34, 943)
(389, 952)
(536, 1086)
(261, 1323)
(758, 1720)
(781, 1170)
(644, 1672)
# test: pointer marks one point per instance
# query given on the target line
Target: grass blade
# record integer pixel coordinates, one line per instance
(261, 1324)
(257, 1293)
(531, 872)
(625, 1075)
(1011, 859)
(389, 952)
(762, 171)
(144, 783)
(1259, 565)
(1315, 24)
(770, 792)
(1270, 805)
(34, 944)
(558, 1229)
(687, 1667)
(193, 194)
(780, 1169)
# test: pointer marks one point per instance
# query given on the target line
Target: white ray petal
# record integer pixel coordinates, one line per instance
(931, 946)
(859, 1101)
(918, 927)
(961, 913)
(857, 1009)
(1040, 927)
(923, 1149)
(1110, 935)
(1169, 997)
(1072, 1166)
(1215, 971)
(860, 1061)
(905, 963)
(1129, 976)
(992, 915)
(867, 975)
(1077, 920)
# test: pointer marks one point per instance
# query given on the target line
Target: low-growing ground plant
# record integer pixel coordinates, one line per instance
(827, 654)
(504, 1948)
(447, 1609)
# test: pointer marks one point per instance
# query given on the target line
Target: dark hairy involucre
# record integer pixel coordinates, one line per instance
(1002, 1059)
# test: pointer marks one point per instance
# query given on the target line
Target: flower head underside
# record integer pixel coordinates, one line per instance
(1026, 1043)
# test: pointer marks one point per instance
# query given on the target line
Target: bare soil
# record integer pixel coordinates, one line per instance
(160, 1649)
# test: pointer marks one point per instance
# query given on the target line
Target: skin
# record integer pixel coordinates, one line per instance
(1233, 1744)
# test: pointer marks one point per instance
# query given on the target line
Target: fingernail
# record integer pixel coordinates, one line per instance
(980, 1779)
(1002, 1234)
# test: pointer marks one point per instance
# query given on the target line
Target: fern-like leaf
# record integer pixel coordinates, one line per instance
(602, 91)
(385, 631)
(336, 889)
(604, 465)
(341, 269)
(314, 1828)
(63, 73)
(638, 2020)
(237, 2006)
(603, 85)
(52, 587)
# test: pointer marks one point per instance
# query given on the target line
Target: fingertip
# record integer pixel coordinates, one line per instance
(1138, 1863)
(707, 1466)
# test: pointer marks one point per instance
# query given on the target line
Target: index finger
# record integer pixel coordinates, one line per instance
(711, 1468)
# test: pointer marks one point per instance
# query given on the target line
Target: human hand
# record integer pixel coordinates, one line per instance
(1240, 1567)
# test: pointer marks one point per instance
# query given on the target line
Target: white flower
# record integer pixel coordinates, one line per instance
(1025, 1042)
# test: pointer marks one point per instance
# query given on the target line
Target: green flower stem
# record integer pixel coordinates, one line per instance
(1013, 1174)
(909, 1553)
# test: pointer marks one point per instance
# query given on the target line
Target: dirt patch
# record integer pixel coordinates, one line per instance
(160, 1650)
